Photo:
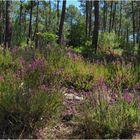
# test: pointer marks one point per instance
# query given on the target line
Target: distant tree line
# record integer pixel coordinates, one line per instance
(20, 21)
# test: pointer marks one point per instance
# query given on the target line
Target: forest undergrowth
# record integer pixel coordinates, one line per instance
(43, 87)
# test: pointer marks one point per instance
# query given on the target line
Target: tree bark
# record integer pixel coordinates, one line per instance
(36, 27)
(58, 15)
(104, 16)
(114, 16)
(62, 22)
(8, 25)
(127, 36)
(120, 21)
(87, 16)
(20, 15)
(30, 23)
(50, 12)
(133, 20)
(1, 13)
(96, 26)
(25, 21)
(3, 21)
(90, 17)
(110, 20)
(139, 25)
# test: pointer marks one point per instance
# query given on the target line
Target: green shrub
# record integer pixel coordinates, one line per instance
(23, 109)
(122, 75)
(109, 41)
(103, 120)
(47, 37)
(77, 35)
(7, 62)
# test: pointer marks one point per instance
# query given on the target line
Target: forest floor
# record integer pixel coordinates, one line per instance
(69, 128)
(77, 80)
(63, 130)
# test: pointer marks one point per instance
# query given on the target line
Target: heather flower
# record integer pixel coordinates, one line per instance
(138, 100)
(113, 62)
(118, 79)
(128, 66)
(137, 86)
(1, 78)
(58, 72)
(127, 97)
(74, 56)
(44, 87)
(14, 50)
(126, 90)
(116, 62)
(22, 61)
(19, 73)
(36, 64)
(101, 81)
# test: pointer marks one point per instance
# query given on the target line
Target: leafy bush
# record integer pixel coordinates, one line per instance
(109, 41)
(26, 101)
(77, 35)
(105, 117)
(30, 81)
(23, 109)
(47, 37)
(122, 75)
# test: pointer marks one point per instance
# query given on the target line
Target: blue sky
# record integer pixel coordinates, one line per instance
(73, 2)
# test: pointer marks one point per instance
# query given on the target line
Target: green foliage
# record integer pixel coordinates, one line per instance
(25, 101)
(6, 61)
(125, 75)
(47, 37)
(109, 41)
(77, 35)
(23, 109)
(5, 58)
(102, 120)
(32, 96)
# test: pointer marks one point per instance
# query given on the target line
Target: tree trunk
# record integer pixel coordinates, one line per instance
(110, 20)
(20, 15)
(133, 20)
(8, 25)
(139, 25)
(90, 17)
(25, 21)
(104, 16)
(87, 16)
(58, 15)
(120, 21)
(3, 21)
(114, 15)
(62, 22)
(50, 12)
(96, 26)
(1, 13)
(36, 27)
(127, 32)
(30, 23)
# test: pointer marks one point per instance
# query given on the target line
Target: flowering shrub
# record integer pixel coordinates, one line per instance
(26, 102)
(23, 109)
(107, 116)
(31, 81)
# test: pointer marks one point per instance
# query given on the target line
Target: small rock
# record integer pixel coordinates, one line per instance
(73, 97)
